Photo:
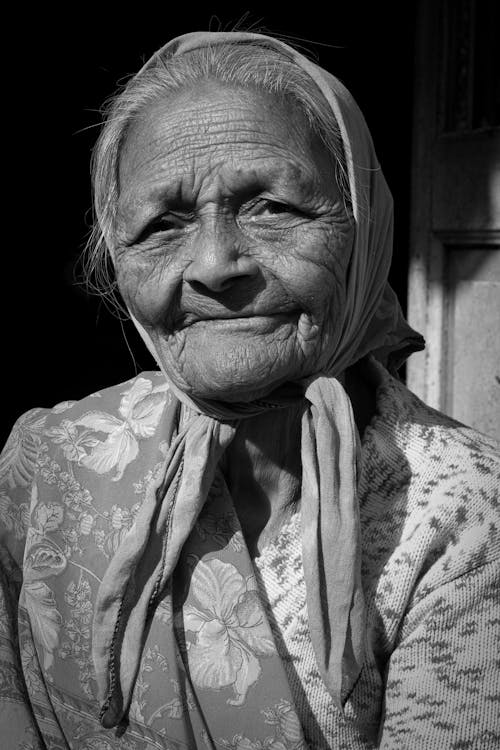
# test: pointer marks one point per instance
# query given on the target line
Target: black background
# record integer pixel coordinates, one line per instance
(58, 343)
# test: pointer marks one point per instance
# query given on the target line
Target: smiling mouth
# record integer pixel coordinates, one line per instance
(254, 320)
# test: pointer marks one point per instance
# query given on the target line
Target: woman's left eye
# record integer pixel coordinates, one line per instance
(266, 208)
(168, 222)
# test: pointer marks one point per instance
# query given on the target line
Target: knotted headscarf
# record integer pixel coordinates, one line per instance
(372, 324)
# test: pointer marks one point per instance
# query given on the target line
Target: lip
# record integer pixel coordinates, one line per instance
(246, 322)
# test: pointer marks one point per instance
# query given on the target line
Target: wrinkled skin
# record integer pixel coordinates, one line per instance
(232, 249)
(233, 241)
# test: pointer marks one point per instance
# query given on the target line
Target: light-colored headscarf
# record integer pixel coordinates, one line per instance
(372, 324)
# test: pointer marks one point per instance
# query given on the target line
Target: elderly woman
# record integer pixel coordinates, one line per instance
(270, 542)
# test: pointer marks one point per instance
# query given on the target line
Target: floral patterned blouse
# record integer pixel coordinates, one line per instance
(238, 673)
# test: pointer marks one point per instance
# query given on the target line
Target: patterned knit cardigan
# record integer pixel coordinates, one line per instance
(429, 500)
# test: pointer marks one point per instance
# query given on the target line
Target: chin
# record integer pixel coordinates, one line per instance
(231, 393)
(229, 386)
(233, 368)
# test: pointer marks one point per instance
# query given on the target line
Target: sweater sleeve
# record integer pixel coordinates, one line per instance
(17, 463)
(442, 688)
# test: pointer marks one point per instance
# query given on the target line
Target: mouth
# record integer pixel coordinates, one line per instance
(250, 322)
(255, 318)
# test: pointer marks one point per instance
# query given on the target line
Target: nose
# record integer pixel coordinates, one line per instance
(219, 261)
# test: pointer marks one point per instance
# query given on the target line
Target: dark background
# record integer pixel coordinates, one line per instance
(58, 343)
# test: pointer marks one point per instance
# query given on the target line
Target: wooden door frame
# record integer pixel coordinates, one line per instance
(431, 241)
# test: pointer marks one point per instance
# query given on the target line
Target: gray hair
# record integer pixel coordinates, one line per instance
(252, 64)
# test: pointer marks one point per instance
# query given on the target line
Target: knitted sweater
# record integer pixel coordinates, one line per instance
(429, 503)
(429, 498)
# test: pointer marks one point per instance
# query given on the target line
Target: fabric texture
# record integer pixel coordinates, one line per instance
(372, 322)
(74, 478)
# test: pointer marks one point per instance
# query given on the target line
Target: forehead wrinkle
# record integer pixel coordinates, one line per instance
(175, 151)
(143, 155)
(156, 171)
(225, 180)
(184, 117)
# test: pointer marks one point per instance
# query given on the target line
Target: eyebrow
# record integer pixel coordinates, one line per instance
(236, 182)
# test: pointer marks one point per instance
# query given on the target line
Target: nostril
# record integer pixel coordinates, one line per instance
(197, 286)
(219, 285)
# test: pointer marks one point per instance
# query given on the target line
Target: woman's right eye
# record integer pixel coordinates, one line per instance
(163, 225)
(168, 222)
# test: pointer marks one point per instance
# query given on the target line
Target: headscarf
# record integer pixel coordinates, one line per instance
(372, 324)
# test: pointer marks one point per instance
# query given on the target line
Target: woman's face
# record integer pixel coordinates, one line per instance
(232, 241)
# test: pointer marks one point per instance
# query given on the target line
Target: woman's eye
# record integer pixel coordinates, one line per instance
(165, 223)
(271, 208)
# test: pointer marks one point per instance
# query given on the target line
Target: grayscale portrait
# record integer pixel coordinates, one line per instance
(283, 533)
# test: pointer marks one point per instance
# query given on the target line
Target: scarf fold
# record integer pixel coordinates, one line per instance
(331, 535)
(144, 564)
(148, 555)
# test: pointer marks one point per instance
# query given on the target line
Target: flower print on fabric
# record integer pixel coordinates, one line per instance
(18, 459)
(240, 742)
(64, 527)
(286, 723)
(44, 559)
(81, 440)
(229, 627)
(31, 669)
(75, 644)
(63, 406)
(220, 530)
(287, 732)
(14, 517)
(40, 603)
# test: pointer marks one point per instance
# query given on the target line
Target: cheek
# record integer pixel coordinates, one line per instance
(148, 286)
(320, 267)
(313, 269)
(332, 268)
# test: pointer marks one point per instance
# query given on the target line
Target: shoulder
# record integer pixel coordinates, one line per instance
(136, 403)
(436, 448)
(429, 490)
(63, 460)
(119, 399)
